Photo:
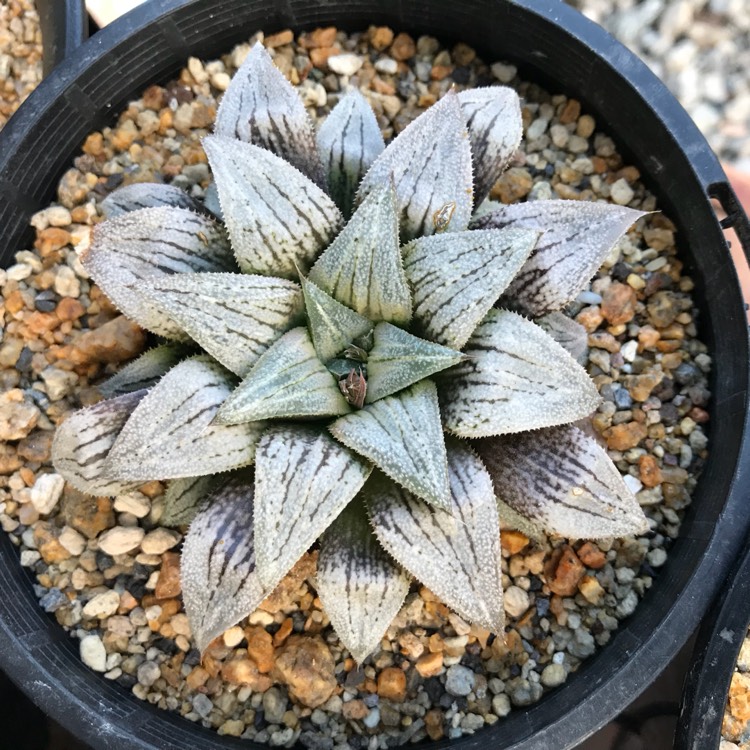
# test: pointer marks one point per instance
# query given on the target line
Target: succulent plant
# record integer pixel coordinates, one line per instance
(355, 321)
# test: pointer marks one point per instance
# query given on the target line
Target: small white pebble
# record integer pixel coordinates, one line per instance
(504, 73)
(345, 65)
(629, 350)
(102, 605)
(386, 65)
(121, 539)
(72, 540)
(93, 653)
(46, 492)
(621, 193)
(19, 272)
(160, 540)
(633, 483)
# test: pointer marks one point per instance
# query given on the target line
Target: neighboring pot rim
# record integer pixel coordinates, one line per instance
(556, 43)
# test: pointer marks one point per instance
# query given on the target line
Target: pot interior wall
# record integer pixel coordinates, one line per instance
(630, 105)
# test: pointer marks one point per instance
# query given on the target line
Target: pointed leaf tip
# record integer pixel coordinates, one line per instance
(262, 107)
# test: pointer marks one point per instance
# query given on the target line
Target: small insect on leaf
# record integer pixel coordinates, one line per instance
(354, 387)
(442, 217)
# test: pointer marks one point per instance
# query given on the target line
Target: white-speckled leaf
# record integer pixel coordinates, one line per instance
(361, 588)
(362, 268)
(512, 519)
(83, 440)
(457, 277)
(564, 480)
(211, 201)
(287, 381)
(277, 218)
(577, 237)
(493, 116)
(430, 164)
(183, 498)
(515, 378)
(171, 435)
(571, 336)
(402, 436)
(234, 317)
(333, 326)
(262, 107)
(145, 371)
(455, 552)
(303, 480)
(349, 141)
(151, 243)
(398, 359)
(217, 566)
(146, 195)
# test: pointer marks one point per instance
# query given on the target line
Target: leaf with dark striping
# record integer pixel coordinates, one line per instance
(362, 268)
(454, 552)
(151, 243)
(278, 219)
(578, 236)
(217, 566)
(287, 381)
(457, 277)
(430, 164)
(145, 371)
(147, 195)
(83, 440)
(361, 588)
(211, 201)
(514, 378)
(333, 326)
(564, 480)
(571, 336)
(172, 435)
(398, 360)
(320, 477)
(262, 107)
(183, 498)
(493, 116)
(403, 437)
(349, 141)
(234, 317)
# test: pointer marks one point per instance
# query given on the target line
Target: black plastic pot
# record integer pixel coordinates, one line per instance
(714, 657)
(553, 45)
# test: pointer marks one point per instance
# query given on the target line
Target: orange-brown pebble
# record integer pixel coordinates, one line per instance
(69, 308)
(513, 541)
(564, 571)
(245, 672)
(739, 697)
(46, 538)
(433, 721)
(392, 684)
(591, 556)
(94, 144)
(50, 240)
(355, 710)
(197, 678)
(618, 304)
(115, 341)
(590, 318)
(591, 589)
(650, 472)
(571, 111)
(319, 55)
(260, 648)
(380, 37)
(306, 666)
(622, 437)
(640, 386)
(168, 585)
(14, 302)
(280, 39)
(648, 337)
(440, 72)
(430, 665)
(320, 37)
(403, 47)
(284, 631)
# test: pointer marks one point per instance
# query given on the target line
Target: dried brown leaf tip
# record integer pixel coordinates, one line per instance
(344, 313)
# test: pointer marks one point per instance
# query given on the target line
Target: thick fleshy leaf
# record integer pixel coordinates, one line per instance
(578, 236)
(145, 371)
(147, 195)
(262, 107)
(564, 480)
(362, 268)
(276, 217)
(171, 435)
(151, 243)
(457, 277)
(333, 326)
(398, 360)
(455, 552)
(349, 141)
(211, 201)
(515, 378)
(183, 498)
(217, 567)
(83, 440)
(512, 519)
(402, 436)
(493, 116)
(303, 480)
(430, 164)
(234, 317)
(361, 588)
(287, 381)
(571, 336)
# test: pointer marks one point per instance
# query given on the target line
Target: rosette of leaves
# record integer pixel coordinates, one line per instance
(391, 362)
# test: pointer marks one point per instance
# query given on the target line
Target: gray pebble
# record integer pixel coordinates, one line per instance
(202, 705)
(459, 680)
(274, 705)
(148, 673)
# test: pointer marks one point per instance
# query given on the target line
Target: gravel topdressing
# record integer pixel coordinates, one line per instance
(110, 574)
